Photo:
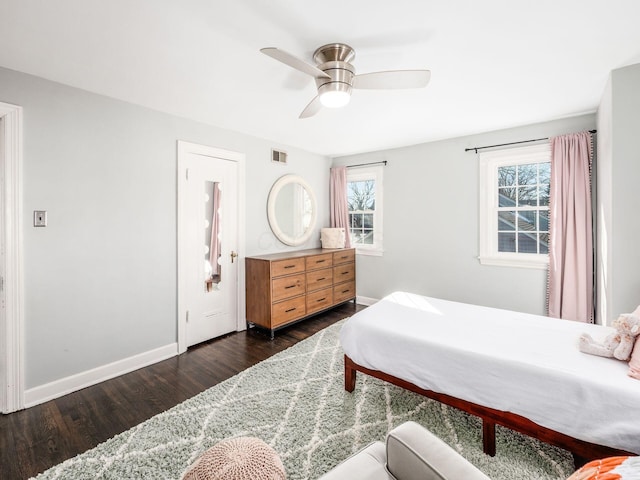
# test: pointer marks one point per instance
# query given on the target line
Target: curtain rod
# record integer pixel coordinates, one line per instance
(512, 143)
(383, 162)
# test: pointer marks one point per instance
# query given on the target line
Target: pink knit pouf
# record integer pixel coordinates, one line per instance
(243, 458)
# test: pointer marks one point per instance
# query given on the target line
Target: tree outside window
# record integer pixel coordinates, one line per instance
(514, 206)
(364, 200)
(361, 199)
(523, 208)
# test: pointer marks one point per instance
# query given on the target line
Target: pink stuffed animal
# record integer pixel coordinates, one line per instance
(618, 344)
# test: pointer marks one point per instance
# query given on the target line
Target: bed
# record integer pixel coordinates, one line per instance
(522, 371)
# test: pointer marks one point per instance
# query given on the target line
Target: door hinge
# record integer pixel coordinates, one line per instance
(186, 174)
(187, 316)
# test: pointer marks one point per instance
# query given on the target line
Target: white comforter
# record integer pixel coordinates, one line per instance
(515, 362)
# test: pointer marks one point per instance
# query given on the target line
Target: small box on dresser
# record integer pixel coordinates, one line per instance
(283, 288)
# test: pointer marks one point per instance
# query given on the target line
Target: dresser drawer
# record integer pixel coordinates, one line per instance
(285, 287)
(319, 279)
(319, 300)
(344, 256)
(319, 261)
(344, 292)
(344, 273)
(286, 267)
(287, 311)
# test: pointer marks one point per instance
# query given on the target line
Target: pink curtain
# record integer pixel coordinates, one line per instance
(215, 230)
(570, 282)
(339, 211)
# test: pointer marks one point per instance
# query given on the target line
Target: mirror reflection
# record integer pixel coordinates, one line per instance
(292, 210)
(212, 235)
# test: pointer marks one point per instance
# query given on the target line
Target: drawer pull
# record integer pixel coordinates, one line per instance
(320, 279)
(346, 291)
(344, 273)
(321, 299)
(290, 286)
(320, 261)
(289, 266)
(290, 310)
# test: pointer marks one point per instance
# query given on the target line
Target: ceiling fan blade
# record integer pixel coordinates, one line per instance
(311, 109)
(294, 62)
(392, 79)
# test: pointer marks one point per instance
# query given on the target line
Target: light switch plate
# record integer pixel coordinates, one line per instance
(39, 218)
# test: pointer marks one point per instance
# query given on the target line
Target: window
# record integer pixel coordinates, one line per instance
(514, 206)
(364, 199)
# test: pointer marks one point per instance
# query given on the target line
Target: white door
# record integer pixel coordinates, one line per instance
(208, 244)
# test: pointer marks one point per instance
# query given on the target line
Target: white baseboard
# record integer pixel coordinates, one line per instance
(368, 301)
(58, 388)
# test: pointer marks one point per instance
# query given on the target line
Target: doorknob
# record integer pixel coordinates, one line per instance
(233, 255)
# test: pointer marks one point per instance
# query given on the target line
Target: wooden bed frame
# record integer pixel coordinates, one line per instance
(582, 451)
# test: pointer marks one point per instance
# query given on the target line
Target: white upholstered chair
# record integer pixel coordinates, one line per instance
(411, 452)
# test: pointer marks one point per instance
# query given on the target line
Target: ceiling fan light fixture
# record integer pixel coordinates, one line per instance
(334, 94)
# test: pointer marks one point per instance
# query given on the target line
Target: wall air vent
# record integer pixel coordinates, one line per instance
(278, 156)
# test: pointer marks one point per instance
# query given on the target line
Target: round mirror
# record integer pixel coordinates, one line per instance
(292, 210)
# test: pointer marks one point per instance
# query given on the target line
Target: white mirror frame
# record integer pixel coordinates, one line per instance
(271, 210)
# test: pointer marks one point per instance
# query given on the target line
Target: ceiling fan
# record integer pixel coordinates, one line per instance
(336, 77)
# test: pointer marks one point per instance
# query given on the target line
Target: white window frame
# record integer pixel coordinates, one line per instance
(488, 217)
(371, 173)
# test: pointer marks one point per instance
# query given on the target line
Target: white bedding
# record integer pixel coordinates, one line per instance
(515, 362)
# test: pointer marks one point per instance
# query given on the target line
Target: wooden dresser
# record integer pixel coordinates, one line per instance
(282, 288)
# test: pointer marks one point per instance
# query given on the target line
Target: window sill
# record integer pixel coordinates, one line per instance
(539, 262)
(372, 252)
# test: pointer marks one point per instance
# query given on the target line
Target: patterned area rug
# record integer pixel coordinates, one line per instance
(295, 401)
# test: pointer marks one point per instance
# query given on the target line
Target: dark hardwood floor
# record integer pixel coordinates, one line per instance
(40, 437)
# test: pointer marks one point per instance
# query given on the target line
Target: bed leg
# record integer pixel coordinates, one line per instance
(579, 461)
(488, 437)
(349, 375)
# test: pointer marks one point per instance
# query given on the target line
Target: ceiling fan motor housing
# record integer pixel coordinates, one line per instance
(334, 52)
(334, 60)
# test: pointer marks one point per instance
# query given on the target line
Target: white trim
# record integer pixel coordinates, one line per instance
(12, 394)
(368, 301)
(489, 162)
(73, 383)
(184, 149)
(371, 252)
(242, 307)
(538, 262)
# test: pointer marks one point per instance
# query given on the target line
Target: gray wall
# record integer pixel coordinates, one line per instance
(100, 280)
(619, 194)
(431, 224)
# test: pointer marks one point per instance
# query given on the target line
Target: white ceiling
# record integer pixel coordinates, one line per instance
(494, 63)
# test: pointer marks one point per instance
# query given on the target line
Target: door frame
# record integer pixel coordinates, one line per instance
(185, 149)
(12, 329)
